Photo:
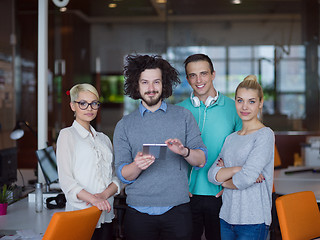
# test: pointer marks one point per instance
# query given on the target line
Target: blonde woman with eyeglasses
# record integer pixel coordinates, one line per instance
(85, 161)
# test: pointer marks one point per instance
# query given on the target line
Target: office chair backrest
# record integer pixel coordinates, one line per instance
(73, 225)
(277, 159)
(277, 162)
(299, 216)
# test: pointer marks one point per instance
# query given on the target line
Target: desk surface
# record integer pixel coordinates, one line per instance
(296, 182)
(21, 215)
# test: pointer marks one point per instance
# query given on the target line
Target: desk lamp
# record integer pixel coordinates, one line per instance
(18, 132)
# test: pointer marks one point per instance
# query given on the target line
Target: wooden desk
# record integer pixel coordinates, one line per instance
(296, 182)
(21, 215)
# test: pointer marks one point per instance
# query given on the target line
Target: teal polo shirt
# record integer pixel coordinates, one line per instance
(216, 122)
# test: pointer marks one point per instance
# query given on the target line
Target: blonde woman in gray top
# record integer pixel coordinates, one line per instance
(245, 169)
(85, 161)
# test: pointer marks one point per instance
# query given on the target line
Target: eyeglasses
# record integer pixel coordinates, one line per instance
(83, 105)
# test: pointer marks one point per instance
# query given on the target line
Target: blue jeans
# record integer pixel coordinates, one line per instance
(243, 232)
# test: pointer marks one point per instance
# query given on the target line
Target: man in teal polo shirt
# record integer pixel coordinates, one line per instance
(217, 118)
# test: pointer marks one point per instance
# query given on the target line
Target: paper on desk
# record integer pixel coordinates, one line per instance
(29, 234)
(10, 237)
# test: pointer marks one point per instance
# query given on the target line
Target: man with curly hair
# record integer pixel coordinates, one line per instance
(157, 185)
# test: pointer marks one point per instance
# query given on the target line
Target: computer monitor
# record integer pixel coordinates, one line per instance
(8, 166)
(48, 164)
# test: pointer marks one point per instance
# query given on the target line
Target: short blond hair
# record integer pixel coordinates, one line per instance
(251, 82)
(76, 89)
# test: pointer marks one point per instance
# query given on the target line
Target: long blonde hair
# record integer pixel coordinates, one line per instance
(74, 91)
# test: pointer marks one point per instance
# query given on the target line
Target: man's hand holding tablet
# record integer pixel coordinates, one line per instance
(143, 161)
(177, 147)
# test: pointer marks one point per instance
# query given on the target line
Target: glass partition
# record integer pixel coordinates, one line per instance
(282, 78)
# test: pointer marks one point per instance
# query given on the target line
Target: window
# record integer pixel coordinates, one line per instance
(284, 84)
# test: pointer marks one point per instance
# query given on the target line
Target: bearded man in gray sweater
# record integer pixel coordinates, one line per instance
(157, 184)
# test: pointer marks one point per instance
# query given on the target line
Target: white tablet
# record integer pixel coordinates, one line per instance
(158, 150)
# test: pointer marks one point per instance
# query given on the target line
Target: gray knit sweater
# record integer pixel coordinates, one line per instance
(165, 182)
(251, 203)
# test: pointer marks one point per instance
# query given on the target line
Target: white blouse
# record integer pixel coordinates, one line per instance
(85, 161)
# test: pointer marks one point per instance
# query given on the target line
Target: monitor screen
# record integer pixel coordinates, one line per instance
(48, 164)
(8, 165)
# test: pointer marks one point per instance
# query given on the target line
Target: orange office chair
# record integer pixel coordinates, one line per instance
(73, 225)
(277, 162)
(299, 216)
(274, 227)
(277, 159)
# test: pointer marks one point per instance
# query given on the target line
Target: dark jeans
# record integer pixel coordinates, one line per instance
(205, 216)
(243, 232)
(176, 224)
(105, 232)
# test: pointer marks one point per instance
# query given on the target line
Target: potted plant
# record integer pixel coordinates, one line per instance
(5, 197)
